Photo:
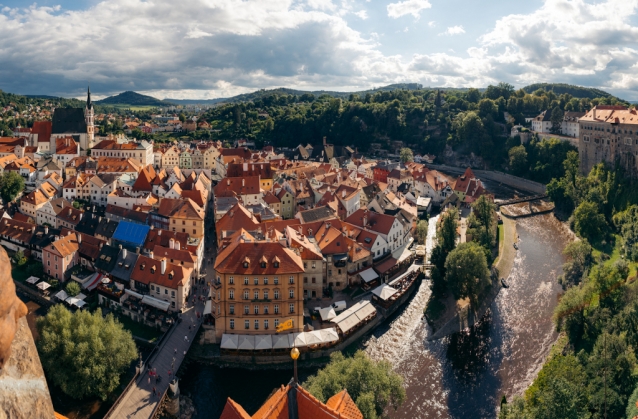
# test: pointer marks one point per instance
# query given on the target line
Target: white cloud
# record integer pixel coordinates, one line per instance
(432, 23)
(407, 7)
(362, 14)
(453, 30)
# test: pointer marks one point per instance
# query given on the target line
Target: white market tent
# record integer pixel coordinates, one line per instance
(329, 335)
(297, 340)
(263, 342)
(327, 313)
(154, 302)
(80, 303)
(32, 279)
(61, 295)
(246, 342)
(80, 296)
(229, 341)
(313, 338)
(368, 275)
(384, 291)
(280, 341)
(208, 307)
(43, 285)
(354, 315)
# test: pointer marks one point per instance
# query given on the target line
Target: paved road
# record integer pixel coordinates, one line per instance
(139, 402)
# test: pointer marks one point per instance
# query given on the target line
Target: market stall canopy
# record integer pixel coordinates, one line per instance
(263, 342)
(313, 338)
(368, 275)
(80, 296)
(133, 293)
(246, 342)
(327, 313)
(80, 303)
(93, 281)
(384, 291)
(62, 295)
(354, 315)
(281, 341)
(32, 279)
(154, 302)
(408, 272)
(329, 335)
(43, 285)
(229, 341)
(208, 307)
(297, 340)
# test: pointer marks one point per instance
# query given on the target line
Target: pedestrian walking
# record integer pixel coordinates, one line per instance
(149, 379)
(189, 328)
(184, 353)
(154, 392)
(175, 353)
(186, 337)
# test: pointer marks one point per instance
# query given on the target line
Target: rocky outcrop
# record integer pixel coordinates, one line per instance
(23, 389)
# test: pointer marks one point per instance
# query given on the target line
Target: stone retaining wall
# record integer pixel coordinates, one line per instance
(494, 176)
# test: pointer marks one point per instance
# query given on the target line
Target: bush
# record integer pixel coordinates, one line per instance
(73, 288)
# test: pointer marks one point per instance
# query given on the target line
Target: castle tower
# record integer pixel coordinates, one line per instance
(89, 116)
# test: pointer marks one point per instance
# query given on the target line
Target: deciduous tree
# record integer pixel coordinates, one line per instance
(466, 272)
(421, 231)
(11, 184)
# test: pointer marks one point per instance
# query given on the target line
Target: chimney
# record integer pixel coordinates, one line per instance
(343, 193)
(79, 239)
(46, 229)
(159, 232)
(99, 220)
(150, 254)
(163, 266)
(178, 246)
(365, 220)
(137, 250)
(243, 182)
(152, 227)
(228, 182)
(70, 212)
(171, 243)
(124, 253)
(594, 112)
(245, 167)
(120, 247)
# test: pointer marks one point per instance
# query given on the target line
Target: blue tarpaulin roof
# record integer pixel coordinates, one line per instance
(134, 234)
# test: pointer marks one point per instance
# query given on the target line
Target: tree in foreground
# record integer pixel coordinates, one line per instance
(83, 353)
(588, 222)
(421, 231)
(372, 385)
(406, 155)
(466, 272)
(11, 184)
(632, 405)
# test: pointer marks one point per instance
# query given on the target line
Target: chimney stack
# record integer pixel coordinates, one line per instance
(159, 232)
(79, 239)
(137, 250)
(150, 254)
(178, 246)
(163, 266)
(46, 229)
(243, 182)
(171, 243)
(124, 253)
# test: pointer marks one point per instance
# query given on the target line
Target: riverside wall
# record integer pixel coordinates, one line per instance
(494, 176)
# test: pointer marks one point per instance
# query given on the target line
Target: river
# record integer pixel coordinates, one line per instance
(461, 376)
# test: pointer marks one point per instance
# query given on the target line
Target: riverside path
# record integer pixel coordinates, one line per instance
(139, 402)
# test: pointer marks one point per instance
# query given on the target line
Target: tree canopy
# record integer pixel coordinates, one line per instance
(11, 184)
(466, 272)
(421, 231)
(83, 353)
(372, 385)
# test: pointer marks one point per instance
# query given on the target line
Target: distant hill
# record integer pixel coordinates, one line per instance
(576, 91)
(133, 99)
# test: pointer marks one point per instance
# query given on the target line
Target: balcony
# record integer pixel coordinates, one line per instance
(262, 300)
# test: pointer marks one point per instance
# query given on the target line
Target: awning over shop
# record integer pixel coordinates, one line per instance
(208, 307)
(281, 341)
(133, 293)
(368, 275)
(229, 341)
(329, 335)
(405, 255)
(32, 279)
(93, 281)
(263, 342)
(384, 291)
(327, 313)
(246, 342)
(297, 340)
(154, 302)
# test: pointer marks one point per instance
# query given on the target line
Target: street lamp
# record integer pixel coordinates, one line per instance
(294, 354)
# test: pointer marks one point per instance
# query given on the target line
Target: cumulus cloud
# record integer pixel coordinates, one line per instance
(234, 46)
(453, 30)
(362, 14)
(407, 7)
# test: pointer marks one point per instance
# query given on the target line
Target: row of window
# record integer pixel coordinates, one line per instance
(256, 323)
(231, 280)
(256, 310)
(614, 130)
(266, 294)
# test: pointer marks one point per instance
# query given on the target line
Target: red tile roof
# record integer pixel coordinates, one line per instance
(43, 129)
(232, 259)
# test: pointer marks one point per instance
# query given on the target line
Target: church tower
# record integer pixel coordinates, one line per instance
(89, 117)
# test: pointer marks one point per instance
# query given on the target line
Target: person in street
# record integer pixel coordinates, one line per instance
(154, 392)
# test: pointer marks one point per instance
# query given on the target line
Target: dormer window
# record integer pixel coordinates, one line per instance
(153, 269)
(142, 266)
(170, 275)
(245, 264)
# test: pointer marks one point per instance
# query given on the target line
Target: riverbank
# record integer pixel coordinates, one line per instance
(457, 315)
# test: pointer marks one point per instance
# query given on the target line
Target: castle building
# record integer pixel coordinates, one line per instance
(77, 123)
(609, 134)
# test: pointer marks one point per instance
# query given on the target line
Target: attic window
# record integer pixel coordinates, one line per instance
(368, 240)
(170, 275)
(142, 266)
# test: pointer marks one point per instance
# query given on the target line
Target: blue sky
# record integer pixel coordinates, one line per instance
(218, 48)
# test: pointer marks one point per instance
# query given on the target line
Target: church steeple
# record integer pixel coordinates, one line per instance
(89, 105)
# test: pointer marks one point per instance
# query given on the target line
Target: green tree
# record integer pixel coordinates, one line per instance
(446, 234)
(557, 118)
(579, 259)
(406, 155)
(518, 159)
(11, 184)
(473, 95)
(421, 231)
(73, 288)
(485, 213)
(487, 107)
(588, 222)
(559, 391)
(632, 405)
(466, 272)
(19, 259)
(373, 386)
(83, 353)
(627, 224)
